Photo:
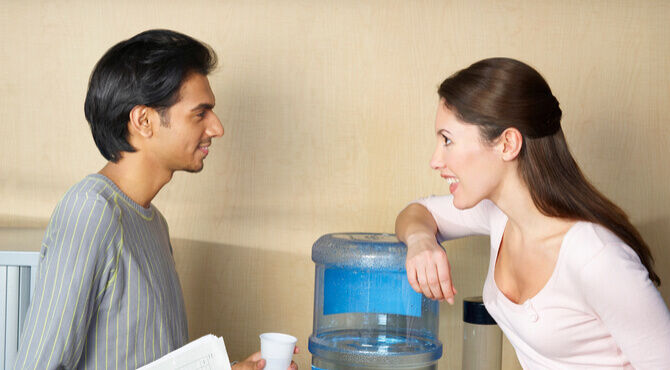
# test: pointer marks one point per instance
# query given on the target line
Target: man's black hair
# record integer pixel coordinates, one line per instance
(147, 69)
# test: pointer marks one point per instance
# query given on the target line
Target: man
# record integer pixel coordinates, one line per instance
(108, 295)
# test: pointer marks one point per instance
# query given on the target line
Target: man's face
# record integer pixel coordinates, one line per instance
(182, 143)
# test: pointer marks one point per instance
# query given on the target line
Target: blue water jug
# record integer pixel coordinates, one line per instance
(366, 315)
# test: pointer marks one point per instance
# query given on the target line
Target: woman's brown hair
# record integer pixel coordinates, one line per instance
(499, 93)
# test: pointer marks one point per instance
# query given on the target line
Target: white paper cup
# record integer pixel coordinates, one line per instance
(277, 350)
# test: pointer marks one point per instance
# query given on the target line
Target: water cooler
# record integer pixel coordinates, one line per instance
(366, 315)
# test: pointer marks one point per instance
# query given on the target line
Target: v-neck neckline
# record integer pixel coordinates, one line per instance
(552, 277)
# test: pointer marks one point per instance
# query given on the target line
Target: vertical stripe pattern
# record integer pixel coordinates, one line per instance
(107, 293)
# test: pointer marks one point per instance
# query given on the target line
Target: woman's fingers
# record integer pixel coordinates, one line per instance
(412, 278)
(423, 282)
(444, 277)
(429, 272)
(434, 282)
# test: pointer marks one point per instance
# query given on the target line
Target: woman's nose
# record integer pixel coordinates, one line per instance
(437, 161)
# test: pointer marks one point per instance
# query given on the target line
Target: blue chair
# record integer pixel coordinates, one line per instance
(19, 257)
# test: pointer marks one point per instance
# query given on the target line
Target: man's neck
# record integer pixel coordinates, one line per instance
(137, 179)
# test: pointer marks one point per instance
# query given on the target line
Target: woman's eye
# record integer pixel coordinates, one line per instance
(447, 141)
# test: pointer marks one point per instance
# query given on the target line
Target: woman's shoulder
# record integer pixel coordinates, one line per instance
(443, 205)
(605, 269)
(593, 245)
(454, 223)
(592, 235)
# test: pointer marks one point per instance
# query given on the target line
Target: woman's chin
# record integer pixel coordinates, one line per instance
(461, 203)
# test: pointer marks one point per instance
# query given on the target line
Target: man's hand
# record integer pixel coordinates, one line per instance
(255, 362)
(428, 269)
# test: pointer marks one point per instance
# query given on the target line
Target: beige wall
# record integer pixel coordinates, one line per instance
(328, 108)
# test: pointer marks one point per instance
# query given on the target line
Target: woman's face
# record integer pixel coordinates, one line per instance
(472, 168)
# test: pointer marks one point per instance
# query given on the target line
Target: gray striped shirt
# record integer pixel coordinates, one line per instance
(107, 295)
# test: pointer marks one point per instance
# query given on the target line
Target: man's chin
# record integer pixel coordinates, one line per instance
(194, 169)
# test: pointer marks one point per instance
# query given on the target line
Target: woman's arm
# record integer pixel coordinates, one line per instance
(428, 269)
(617, 287)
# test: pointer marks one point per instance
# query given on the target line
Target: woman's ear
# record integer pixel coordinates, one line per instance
(139, 123)
(510, 142)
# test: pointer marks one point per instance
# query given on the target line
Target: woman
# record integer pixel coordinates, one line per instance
(570, 280)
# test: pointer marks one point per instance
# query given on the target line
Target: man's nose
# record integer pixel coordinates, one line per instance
(215, 128)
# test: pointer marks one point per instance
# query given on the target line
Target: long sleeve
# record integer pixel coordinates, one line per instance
(453, 223)
(616, 285)
(77, 261)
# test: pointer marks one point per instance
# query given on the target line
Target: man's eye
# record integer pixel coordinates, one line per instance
(202, 114)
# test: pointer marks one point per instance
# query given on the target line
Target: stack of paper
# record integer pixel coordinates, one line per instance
(207, 352)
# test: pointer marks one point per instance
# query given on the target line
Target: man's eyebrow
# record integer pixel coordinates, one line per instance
(203, 105)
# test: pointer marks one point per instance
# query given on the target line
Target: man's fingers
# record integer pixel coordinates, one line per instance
(254, 357)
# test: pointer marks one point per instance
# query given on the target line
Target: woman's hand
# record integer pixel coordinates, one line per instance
(428, 269)
(255, 362)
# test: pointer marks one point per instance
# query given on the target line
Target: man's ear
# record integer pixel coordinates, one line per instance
(140, 123)
(510, 143)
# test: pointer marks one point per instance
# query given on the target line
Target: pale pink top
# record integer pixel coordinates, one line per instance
(597, 310)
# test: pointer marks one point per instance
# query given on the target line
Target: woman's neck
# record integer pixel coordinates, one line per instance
(515, 200)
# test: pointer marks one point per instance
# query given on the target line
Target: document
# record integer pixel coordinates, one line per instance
(205, 353)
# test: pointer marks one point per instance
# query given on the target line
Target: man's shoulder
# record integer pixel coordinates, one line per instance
(90, 189)
(91, 193)
(86, 215)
